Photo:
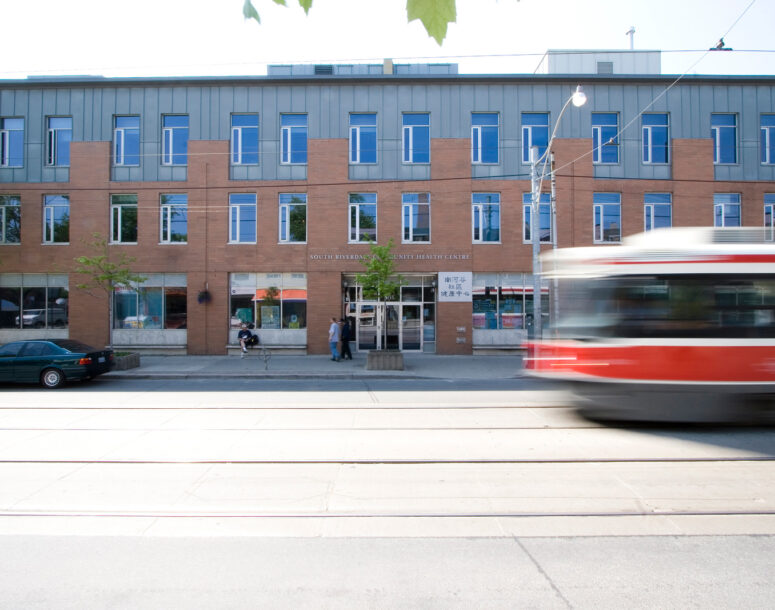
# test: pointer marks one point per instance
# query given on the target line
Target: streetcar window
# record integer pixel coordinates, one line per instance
(668, 306)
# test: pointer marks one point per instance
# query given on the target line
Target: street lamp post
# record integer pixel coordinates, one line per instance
(578, 99)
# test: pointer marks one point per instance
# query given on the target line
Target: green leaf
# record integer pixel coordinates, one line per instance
(305, 4)
(250, 12)
(435, 15)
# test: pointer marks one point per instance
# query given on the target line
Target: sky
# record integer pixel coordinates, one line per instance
(211, 37)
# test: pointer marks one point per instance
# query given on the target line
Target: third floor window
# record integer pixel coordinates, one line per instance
(363, 138)
(244, 139)
(59, 133)
(416, 143)
(656, 138)
(484, 137)
(605, 137)
(723, 130)
(174, 139)
(535, 132)
(126, 140)
(768, 138)
(11, 142)
(293, 139)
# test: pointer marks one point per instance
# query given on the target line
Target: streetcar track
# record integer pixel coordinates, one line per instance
(406, 461)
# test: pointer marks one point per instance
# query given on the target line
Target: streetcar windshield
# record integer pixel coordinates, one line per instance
(710, 306)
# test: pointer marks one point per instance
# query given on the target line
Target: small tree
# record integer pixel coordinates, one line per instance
(105, 275)
(379, 281)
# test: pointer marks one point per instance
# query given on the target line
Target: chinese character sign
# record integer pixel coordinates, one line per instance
(455, 287)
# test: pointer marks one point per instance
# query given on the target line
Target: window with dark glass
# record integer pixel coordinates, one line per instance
(10, 219)
(657, 211)
(485, 217)
(59, 134)
(56, 219)
(544, 217)
(726, 210)
(363, 217)
(416, 217)
(242, 218)
(607, 217)
(123, 218)
(174, 218)
(293, 218)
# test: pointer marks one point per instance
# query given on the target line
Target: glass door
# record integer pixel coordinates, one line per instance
(411, 327)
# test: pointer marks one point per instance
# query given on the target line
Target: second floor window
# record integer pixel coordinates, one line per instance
(11, 142)
(123, 219)
(363, 138)
(768, 138)
(605, 138)
(242, 218)
(244, 139)
(174, 218)
(723, 130)
(174, 139)
(656, 140)
(293, 217)
(484, 137)
(59, 134)
(657, 211)
(56, 219)
(726, 210)
(293, 138)
(769, 216)
(416, 217)
(10, 219)
(485, 218)
(544, 217)
(607, 217)
(126, 140)
(535, 132)
(363, 217)
(416, 138)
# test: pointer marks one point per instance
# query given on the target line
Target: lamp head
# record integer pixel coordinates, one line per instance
(579, 98)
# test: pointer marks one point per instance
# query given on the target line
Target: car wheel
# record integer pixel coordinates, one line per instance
(52, 378)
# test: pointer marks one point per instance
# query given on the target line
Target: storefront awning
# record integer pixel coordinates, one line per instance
(287, 294)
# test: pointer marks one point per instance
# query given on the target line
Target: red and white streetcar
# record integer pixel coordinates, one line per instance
(673, 325)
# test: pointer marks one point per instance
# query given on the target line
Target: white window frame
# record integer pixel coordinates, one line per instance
(3, 218)
(544, 201)
(722, 205)
(116, 212)
(408, 154)
(409, 205)
(356, 230)
(527, 134)
(119, 137)
(716, 131)
(477, 211)
(236, 138)
(355, 136)
(5, 144)
(49, 217)
(166, 214)
(168, 142)
(598, 144)
(286, 133)
(650, 149)
(767, 135)
(235, 211)
(476, 135)
(285, 213)
(52, 140)
(598, 236)
(769, 211)
(648, 211)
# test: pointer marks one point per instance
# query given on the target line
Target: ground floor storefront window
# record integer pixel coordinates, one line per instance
(34, 301)
(159, 303)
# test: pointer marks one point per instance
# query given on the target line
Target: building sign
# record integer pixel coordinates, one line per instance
(398, 257)
(455, 287)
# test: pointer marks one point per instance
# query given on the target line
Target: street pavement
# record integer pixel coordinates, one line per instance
(417, 366)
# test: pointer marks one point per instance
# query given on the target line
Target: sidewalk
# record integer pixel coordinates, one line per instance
(416, 366)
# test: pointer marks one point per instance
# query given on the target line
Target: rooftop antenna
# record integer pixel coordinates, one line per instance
(631, 34)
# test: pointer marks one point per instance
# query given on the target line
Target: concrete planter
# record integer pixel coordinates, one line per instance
(385, 360)
(128, 361)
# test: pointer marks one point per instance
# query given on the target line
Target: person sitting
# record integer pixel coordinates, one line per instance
(246, 338)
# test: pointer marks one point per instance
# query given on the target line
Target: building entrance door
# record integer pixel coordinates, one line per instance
(403, 323)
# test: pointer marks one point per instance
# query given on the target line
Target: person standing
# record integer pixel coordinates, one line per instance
(346, 338)
(334, 335)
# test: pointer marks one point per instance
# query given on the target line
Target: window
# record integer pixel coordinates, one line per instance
(11, 142)
(160, 303)
(484, 137)
(726, 210)
(270, 301)
(58, 137)
(769, 216)
(607, 213)
(535, 132)
(605, 138)
(657, 211)
(485, 217)
(244, 139)
(363, 217)
(768, 138)
(56, 219)
(500, 300)
(544, 217)
(416, 217)
(174, 139)
(294, 138)
(34, 300)
(723, 130)
(10, 219)
(123, 219)
(242, 218)
(417, 138)
(174, 218)
(126, 140)
(655, 138)
(363, 138)
(293, 217)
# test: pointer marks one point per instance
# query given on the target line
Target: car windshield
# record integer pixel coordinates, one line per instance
(74, 346)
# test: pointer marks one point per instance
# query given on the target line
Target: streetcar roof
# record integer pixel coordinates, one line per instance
(677, 250)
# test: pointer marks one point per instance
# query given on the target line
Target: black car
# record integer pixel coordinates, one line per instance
(51, 362)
